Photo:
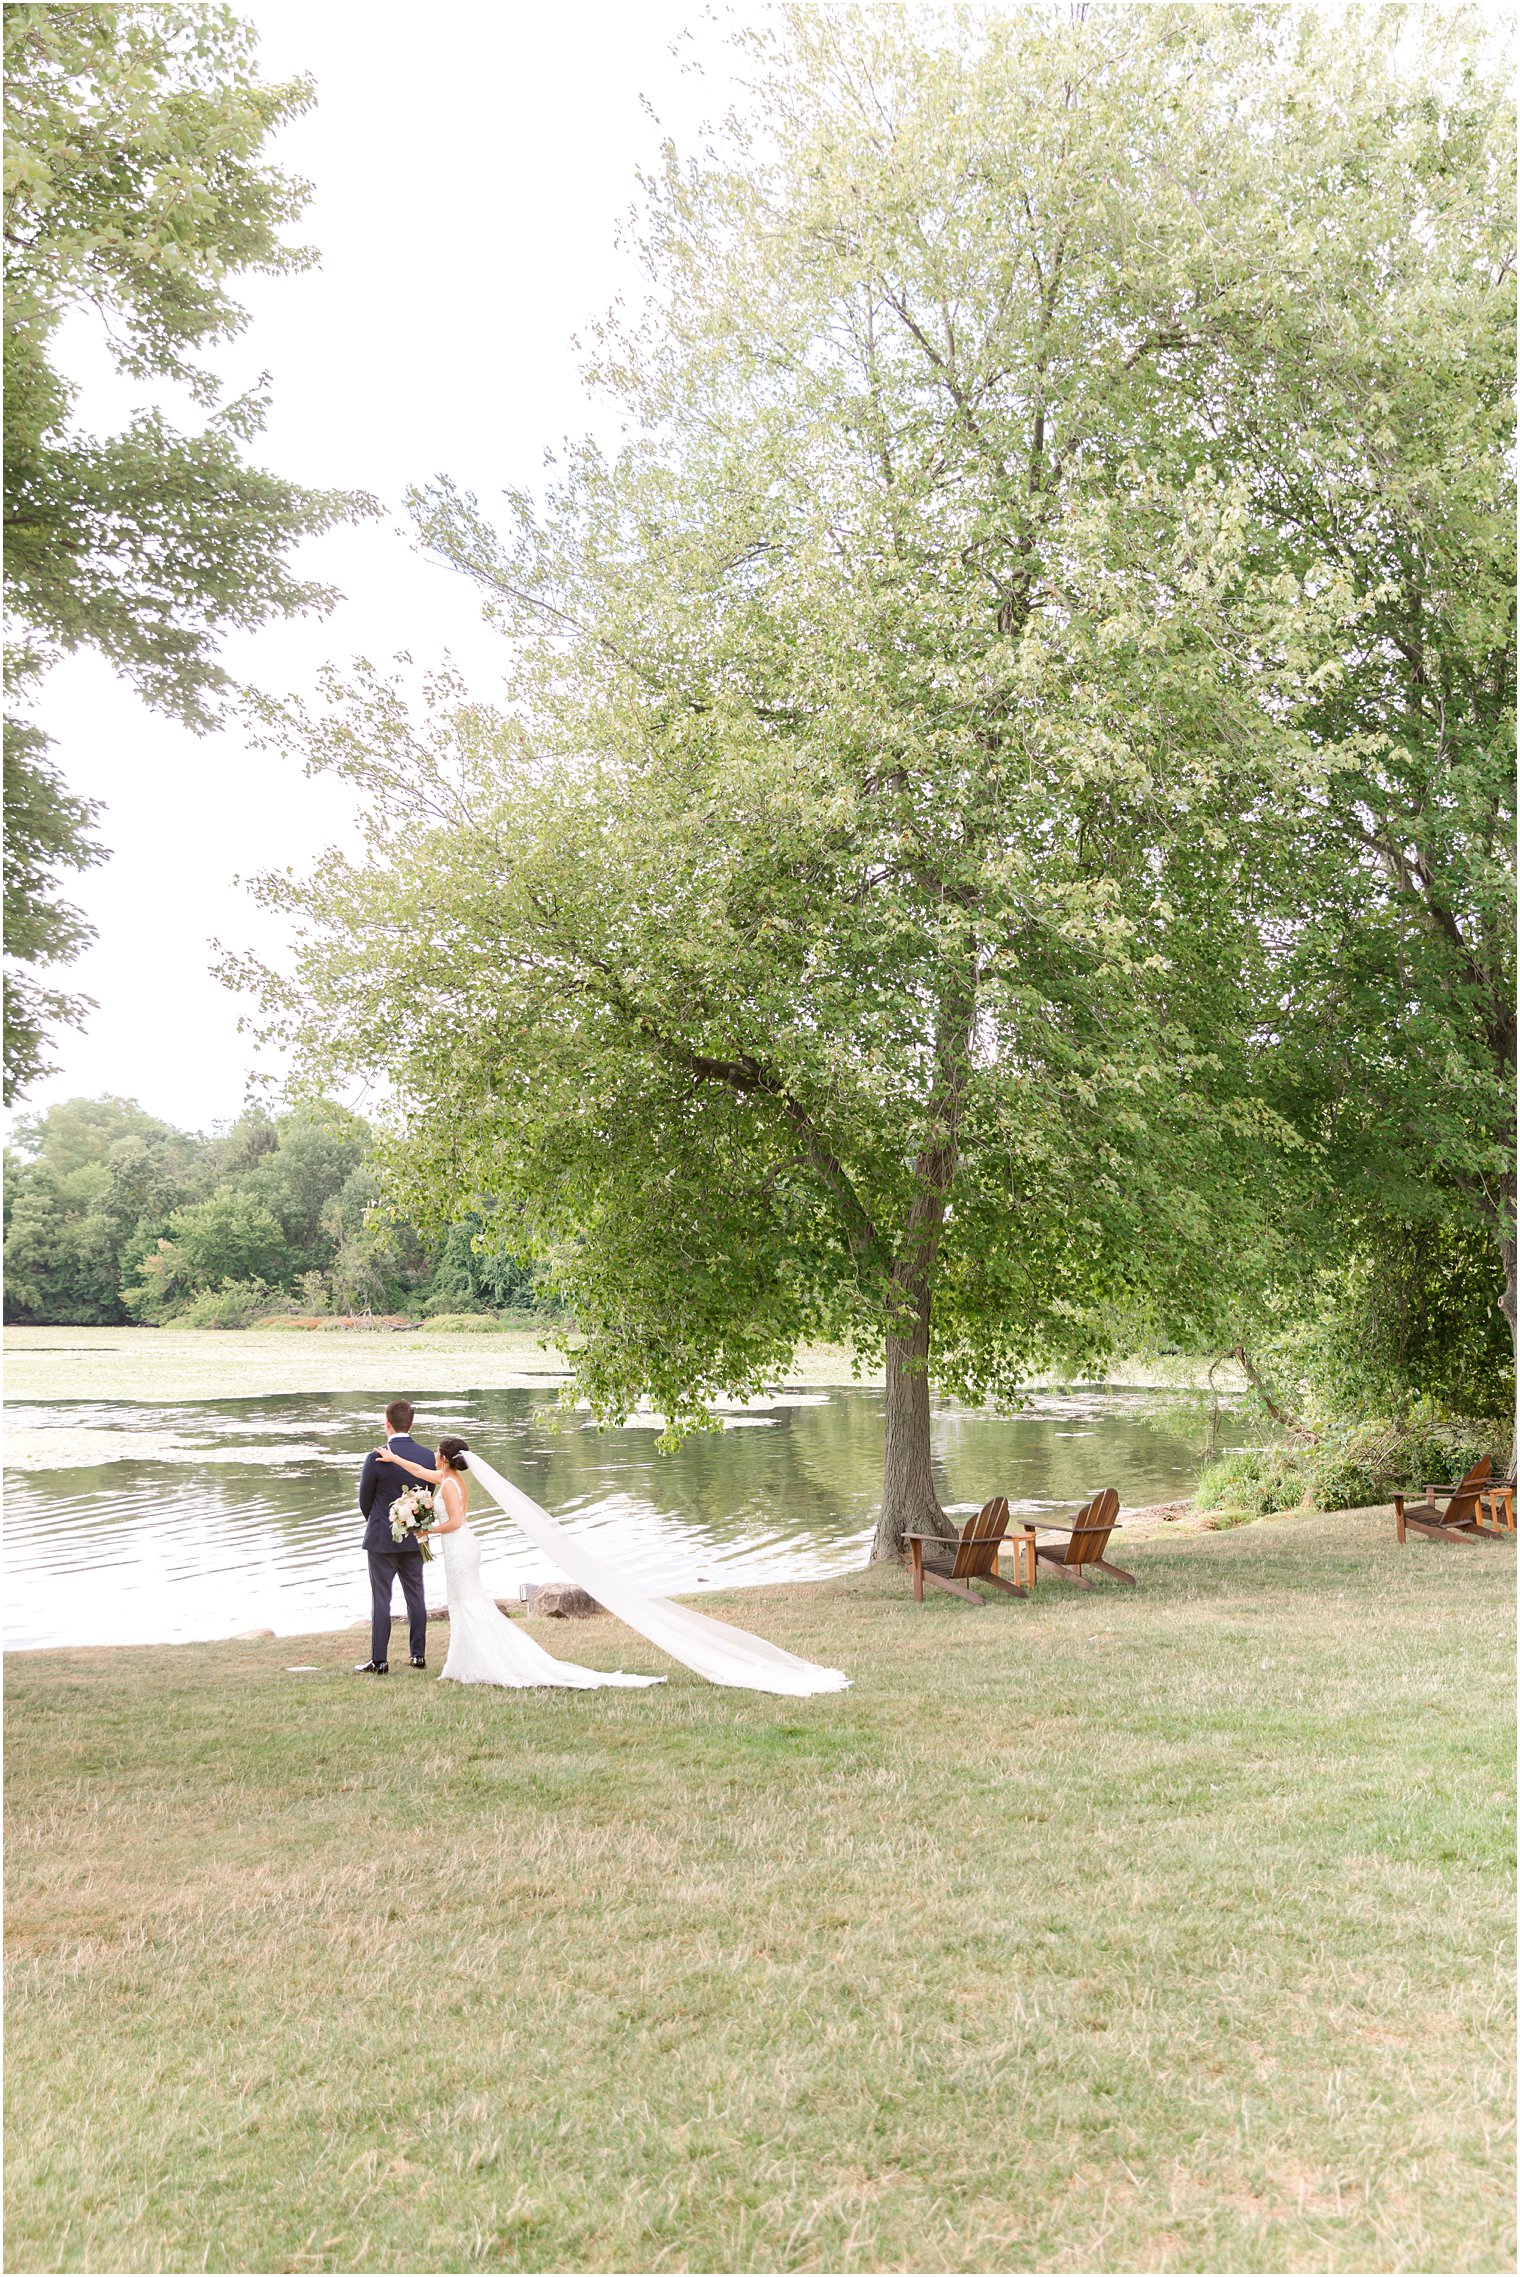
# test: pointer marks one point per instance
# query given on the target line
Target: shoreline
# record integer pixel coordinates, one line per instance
(160, 1370)
(1161, 1521)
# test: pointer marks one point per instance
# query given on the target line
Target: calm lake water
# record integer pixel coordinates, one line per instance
(136, 1524)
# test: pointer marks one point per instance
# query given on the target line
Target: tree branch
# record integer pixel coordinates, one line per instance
(747, 1077)
(1253, 1378)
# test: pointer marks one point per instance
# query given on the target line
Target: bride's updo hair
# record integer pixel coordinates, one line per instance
(453, 1452)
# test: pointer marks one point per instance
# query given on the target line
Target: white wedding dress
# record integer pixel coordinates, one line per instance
(485, 1647)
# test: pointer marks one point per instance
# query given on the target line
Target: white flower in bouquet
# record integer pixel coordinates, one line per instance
(411, 1513)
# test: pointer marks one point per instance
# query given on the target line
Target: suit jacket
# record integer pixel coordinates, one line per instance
(379, 1485)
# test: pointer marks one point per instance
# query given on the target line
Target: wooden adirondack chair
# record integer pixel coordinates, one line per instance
(1458, 1522)
(1087, 1539)
(951, 1565)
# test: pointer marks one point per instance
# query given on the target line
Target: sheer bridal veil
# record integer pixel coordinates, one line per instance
(722, 1654)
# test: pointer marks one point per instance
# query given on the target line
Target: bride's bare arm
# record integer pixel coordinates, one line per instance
(384, 1455)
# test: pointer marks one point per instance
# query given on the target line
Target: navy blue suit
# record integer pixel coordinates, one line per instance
(390, 1561)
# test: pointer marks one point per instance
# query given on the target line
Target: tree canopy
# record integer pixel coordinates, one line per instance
(135, 190)
(111, 1215)
(1382, 439)
(875, 913)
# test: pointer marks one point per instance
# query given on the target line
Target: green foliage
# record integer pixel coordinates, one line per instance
(373, 1254)
(475, 1275)
(47, 830)
(236, 1304)
(77, 1133)
(1357, 1464)
(290, 1206)
(230, 1237)
(1412, 1317)
(1252, 1482)
(134, 191)
(135, 188)
(61, 1252)
(303, 1180)
(93, 1173)
(1370, 1461)
(111, 1214)
(1384, 442)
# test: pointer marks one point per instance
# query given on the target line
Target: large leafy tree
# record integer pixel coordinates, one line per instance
(853, 927)
(86, 1176)
(135, 189)
(274, 1183)
(1362, 397)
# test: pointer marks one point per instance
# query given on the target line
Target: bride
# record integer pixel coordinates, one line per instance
(484, 1646)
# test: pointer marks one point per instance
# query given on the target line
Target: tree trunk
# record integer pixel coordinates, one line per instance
(909, 1504)
(1496, 1202)
(1505, 1238)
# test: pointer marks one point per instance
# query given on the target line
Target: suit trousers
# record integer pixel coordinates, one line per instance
(386, 1568)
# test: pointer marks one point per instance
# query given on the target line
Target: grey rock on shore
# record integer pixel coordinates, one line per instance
(543, 1600)
(559, 1601)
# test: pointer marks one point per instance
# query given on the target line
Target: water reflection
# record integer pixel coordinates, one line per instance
(138, 1524)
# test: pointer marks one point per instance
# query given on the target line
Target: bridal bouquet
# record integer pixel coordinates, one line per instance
(412, 1513)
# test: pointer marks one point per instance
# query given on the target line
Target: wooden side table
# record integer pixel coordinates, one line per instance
(1022, 1546)
(1496, 1511)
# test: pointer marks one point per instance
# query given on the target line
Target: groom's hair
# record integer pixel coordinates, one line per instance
(399, 1414)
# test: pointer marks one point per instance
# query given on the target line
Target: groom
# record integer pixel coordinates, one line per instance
(391, 1561)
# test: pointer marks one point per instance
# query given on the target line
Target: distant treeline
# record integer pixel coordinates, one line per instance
(112, 1216)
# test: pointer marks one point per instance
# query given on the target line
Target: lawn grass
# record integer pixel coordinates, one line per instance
(1155, 1929)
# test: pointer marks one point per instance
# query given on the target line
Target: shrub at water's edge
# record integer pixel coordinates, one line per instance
(1352, 1466)
(1251, 1481)
(236, 1304)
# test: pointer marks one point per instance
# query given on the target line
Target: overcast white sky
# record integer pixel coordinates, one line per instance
(471, 163)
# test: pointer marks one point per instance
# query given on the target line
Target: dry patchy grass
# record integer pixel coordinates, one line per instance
(1163, 1929)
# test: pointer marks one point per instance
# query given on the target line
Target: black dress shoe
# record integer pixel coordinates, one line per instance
(372, 1668)
(418, 1661)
